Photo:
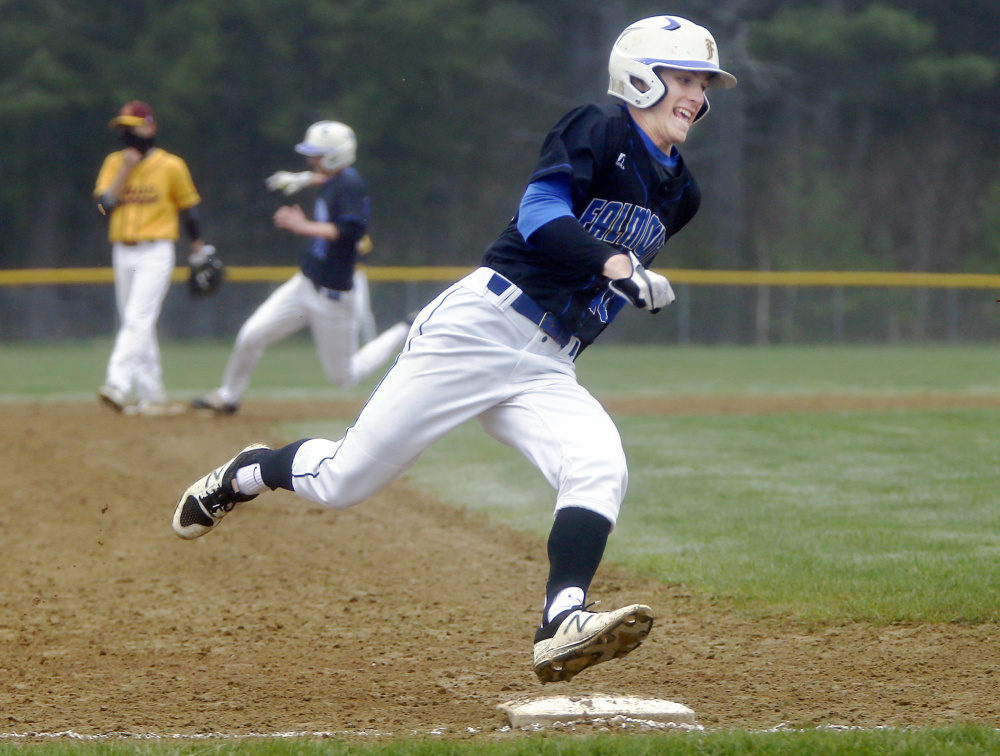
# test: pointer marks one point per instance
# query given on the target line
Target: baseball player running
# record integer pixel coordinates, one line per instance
(147, 191)
(321, 295)
(609, 189)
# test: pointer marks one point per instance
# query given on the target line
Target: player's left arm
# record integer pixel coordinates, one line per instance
(187, 200)
(191, 220)
(206, 271)
(293, 218)
(546, 221)
(551, 226)
(642, 288)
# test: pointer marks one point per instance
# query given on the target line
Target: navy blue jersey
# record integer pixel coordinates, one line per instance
(343, 200)
(620, 194)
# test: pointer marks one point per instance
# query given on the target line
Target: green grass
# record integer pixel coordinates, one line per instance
(959, 740)
(790, 370)
(881, 516)
(76, 369)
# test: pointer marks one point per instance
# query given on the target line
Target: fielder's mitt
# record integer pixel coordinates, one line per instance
(206, 272)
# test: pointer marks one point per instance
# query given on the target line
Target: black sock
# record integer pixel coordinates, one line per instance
(276, 467)
(576, 546)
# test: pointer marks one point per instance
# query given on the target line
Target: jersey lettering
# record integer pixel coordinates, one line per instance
(139, 195)
(624, 225)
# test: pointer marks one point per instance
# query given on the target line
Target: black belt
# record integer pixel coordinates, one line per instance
(328, 293)
(525, 305)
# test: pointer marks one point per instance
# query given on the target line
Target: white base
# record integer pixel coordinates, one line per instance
(566, 710)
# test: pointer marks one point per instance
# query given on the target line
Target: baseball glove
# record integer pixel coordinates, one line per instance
(206, 272)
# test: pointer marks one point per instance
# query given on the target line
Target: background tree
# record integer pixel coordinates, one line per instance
(861, 135)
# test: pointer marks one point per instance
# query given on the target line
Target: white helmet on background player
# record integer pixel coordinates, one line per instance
(333, 141)
(662, 42)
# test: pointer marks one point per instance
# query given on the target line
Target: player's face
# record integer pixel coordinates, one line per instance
(676, 111)
(144, 130)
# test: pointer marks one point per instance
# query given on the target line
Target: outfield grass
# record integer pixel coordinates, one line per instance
(76, 369)
(701, 370)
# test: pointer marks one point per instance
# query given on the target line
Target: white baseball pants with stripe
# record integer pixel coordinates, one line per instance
(468, 355)
(334, 324)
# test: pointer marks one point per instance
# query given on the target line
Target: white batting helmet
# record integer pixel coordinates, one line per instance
(662, 42)
(334, 141)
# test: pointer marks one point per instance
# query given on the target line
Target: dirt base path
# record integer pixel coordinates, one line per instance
(400, 615)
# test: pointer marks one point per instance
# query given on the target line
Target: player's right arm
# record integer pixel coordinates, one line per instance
(113, 177)
(291, 182)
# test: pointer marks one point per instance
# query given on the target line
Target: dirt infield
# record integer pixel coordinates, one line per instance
(400, 615)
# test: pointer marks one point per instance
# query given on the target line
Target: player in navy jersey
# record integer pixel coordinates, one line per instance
(321, 295)
(608, 195)
(499, 346)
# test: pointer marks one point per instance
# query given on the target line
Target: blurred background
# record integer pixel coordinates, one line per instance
(863, 136)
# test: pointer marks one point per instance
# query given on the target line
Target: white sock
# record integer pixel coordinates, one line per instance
(567, 598)
(248, 481)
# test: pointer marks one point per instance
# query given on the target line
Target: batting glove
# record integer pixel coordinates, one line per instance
(288, 181)
(644, 288)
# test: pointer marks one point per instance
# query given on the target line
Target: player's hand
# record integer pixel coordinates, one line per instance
(291, 218)
(643, 288)
(131, 157)
(289, 182)
(200, 252)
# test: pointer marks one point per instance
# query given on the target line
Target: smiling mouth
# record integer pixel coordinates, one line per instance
(684, 114)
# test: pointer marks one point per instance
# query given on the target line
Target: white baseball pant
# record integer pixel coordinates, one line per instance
(290, 308)
(469, 355)
(363, 306)
(142, 278)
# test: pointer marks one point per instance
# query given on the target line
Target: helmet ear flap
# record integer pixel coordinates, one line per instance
(623, 71)
(705, 107)
(332, 161)
(657, 92)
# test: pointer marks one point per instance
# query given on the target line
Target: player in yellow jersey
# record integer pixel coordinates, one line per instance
(147, 193)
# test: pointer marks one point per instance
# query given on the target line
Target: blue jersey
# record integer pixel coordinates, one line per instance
(620, 193)
(343, 200)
